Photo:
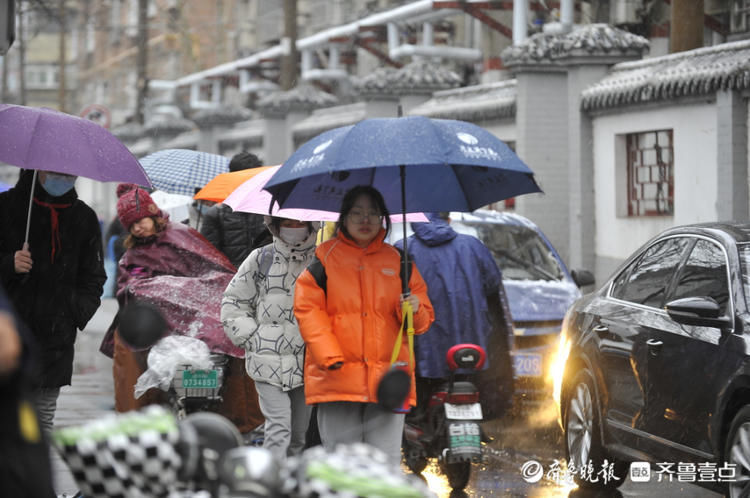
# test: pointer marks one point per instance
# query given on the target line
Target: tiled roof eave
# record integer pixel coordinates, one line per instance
(635, 106)
(701, 83)
(696, 73)
(469, 111)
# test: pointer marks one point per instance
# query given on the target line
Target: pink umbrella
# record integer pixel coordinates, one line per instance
(250, 197)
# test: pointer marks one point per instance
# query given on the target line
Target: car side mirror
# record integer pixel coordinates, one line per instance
(582, 278)
(701, 311)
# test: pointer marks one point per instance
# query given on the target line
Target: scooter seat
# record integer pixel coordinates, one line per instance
(459, 387)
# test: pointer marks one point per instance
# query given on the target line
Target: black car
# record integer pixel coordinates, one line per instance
(658, 364)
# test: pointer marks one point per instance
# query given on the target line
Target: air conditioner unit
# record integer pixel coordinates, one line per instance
(7, 24)
(624, 11)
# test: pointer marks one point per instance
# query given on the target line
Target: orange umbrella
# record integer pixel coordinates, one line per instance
(224, 184)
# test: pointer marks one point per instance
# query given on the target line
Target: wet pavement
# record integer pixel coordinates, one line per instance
(516, 441)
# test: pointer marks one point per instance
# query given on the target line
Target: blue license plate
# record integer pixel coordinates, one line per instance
(527, 364)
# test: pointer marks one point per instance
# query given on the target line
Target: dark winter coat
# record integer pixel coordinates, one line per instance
(235, 234)
(62, 291)
(24, 455)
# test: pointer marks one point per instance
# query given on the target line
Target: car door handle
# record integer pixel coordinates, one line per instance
(654, 346)
(600, 329)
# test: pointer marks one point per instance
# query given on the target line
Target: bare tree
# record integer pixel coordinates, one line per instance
(288, 77)
(141, 61)
(21, 55)
(687, 25)
(61, 89)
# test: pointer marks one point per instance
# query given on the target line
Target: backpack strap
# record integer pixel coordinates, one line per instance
(266, 260)
(318, 271)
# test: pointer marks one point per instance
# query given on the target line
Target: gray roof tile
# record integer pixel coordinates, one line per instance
(303, 97)
(419, 76)
(584, 40)
(692, 73)
(224, 115)
(473, 103)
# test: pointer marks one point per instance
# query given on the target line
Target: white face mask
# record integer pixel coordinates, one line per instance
(293, 236)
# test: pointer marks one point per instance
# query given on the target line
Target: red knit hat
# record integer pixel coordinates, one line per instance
(125, 187)
(134, 205)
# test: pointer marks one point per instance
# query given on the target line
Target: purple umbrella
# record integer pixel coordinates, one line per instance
(45, 139)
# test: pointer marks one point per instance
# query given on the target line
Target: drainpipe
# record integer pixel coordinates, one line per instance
(520, 21)
(565, 25)
(392, 36)
(428, 37)
(566, 14)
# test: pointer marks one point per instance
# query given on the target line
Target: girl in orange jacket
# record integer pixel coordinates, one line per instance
(348, 307)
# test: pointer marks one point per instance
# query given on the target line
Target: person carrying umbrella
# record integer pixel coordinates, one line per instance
(172, 267)
(56, 279)
(348, 305)
(257, 315)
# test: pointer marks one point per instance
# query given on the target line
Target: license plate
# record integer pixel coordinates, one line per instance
(527, 364)
(465, 440)
(472, 411)
(192, 379)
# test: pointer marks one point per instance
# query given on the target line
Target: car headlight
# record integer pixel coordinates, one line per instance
(557, 369)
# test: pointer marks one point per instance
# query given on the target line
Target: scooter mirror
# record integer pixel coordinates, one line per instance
(393, 388)
(141, 325)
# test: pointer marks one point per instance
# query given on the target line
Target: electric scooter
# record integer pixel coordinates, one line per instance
(448, 428)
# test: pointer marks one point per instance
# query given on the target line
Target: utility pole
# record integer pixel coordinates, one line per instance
(61, 90)
(21, 56)
(141, 62)
(288, 77)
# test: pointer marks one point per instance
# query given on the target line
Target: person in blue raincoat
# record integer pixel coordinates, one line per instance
(466, 289)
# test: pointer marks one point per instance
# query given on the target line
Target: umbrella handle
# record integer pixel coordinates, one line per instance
(31, 203)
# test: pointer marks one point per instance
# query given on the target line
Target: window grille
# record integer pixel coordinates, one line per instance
(650, 173)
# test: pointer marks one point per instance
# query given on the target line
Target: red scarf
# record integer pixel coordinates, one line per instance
(54, 222)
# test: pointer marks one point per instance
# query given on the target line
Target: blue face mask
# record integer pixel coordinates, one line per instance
(57, 185)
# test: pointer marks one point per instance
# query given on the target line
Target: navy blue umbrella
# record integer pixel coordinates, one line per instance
(418, 164)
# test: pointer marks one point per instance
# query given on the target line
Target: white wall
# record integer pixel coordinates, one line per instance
(504, 129)
(695, 181)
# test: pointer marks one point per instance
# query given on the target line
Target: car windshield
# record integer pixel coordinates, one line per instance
(519, 251)
(744, 250)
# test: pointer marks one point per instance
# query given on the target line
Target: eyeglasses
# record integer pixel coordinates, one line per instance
(359, 216)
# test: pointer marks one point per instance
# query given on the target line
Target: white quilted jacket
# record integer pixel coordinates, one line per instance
(262, 320)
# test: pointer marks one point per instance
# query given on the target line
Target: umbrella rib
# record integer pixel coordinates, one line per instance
(37, 118)
(463, 190)
(90, 150)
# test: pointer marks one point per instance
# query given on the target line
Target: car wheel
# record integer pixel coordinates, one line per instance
(583, 442)
(737, 452)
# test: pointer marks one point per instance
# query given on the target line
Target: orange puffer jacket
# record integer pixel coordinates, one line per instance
(356, 320)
